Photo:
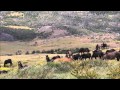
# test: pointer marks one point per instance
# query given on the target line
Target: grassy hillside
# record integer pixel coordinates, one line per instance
(62, 43)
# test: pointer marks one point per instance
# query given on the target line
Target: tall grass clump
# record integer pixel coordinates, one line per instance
(60, 67)
(89, 69)
(114, 72)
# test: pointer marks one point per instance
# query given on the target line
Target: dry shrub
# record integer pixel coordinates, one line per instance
(114, 72)
(86, 69)
(84, 73)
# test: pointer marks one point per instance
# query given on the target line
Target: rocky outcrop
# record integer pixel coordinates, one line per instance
(54, 32)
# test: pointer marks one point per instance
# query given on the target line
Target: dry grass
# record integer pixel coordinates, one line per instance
(95, 69)
(63, 43)
(27, 59)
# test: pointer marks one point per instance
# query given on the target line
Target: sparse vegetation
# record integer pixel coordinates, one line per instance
(40, 33)
(114, 72)
(73, 70)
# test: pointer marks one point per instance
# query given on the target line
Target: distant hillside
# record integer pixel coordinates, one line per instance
(6, 37)
(10, 34)
(62, 23)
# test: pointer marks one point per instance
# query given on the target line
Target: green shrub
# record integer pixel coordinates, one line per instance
(19, 34)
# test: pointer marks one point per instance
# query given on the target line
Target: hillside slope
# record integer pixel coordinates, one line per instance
(63, 23)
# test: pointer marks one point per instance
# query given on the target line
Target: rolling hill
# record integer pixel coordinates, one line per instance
(54, 24)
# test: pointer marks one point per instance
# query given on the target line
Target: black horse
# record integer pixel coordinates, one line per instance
(47, 58)
(97, 53)
(111, 50)
(97, 47)
(104, 46)
(8, 61)
(76, 56)
(55, 57)
(83, 50)
(84, 56)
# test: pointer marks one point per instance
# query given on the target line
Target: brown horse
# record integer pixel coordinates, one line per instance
(111, 50)
(64, 59)
(112, 55)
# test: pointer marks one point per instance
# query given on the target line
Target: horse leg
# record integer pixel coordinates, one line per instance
(117, 59)
(103, 58)
(95, 57)
(4, 65)
(90, 58)
(81, 58)
(10, 64)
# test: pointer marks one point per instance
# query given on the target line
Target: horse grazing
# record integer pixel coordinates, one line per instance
(104, 46)
(55, 57)
(97, 53)
(8, 61)
(19, 52)
(111, 50)
(83, 50)
(86, 55)
(76, 56)
(112, 55)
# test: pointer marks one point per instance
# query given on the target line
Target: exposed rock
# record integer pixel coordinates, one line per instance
(56, 32)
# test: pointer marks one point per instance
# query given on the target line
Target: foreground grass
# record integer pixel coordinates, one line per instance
(95, 69)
